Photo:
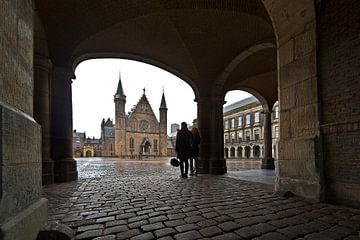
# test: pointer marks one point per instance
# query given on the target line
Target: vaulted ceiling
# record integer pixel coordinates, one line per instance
(207, 43)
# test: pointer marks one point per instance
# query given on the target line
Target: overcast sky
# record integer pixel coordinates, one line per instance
(96, 83)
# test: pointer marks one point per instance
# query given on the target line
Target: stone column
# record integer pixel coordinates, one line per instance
(267, 161)
(61, 125)
(42, 113)
(210, 120)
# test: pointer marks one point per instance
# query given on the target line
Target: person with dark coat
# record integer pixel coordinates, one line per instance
(183, 148)
(194, 151)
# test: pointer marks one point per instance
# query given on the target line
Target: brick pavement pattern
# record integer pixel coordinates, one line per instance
(138, 200)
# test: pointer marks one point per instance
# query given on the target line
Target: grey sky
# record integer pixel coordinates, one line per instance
(96, 82)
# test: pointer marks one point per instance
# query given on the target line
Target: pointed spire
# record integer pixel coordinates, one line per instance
(163, 102)
(120, 92)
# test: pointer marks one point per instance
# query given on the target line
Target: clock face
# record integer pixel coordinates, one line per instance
(143, 125)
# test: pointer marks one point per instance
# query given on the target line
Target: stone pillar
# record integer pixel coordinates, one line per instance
(42, 114)
(210, 120)
(61, 125)
(267, 162)
(23, 211)
(251, 151)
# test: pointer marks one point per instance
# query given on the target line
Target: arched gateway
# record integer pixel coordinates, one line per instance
(270, 47)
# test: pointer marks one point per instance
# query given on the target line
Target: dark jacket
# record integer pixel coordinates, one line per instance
(183, 144)
(195, 146)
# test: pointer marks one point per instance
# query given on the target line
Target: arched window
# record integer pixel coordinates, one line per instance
(256, 151)
(131, 143)
(239, 152)
(247, 151)
(232, 152)
(226, 150)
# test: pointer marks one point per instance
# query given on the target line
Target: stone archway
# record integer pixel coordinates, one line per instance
(295, 29)
(239, 152)
(232, 152)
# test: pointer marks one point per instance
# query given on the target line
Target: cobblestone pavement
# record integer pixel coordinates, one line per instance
(139, 200)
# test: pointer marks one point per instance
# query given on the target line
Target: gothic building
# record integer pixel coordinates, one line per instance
(139, 133)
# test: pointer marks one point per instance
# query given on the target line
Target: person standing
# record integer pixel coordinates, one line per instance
(183, 148)
(194, 151)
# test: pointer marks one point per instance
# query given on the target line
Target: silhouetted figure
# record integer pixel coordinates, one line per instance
(183, 148)
(194, 151)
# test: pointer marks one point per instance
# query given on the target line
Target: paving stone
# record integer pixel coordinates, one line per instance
(194, 219)
(160, 218)
(105, 219)
(108, 237)
(96, 215)
(187, 227)
(138, 224)
(223, 218)
(125, 216)
(116, 229)
(129, 198)
(164, 232)
(90, 227)
(210, 231)
(272, 236)
(137, 218)
(115, 223)
(174, 223)
(89, 234)
(227, 236)
(144, 236)
(166, 238)
(152, 226)
(188, 235)
(255, 230)
(210, 215)
(128, 234)
(176, 216)
(229, 226)
(207, 223)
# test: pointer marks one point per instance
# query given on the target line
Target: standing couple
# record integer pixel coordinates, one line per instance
(187, 147)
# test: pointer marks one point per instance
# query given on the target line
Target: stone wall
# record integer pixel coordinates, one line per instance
(339, 66)
(22, 211)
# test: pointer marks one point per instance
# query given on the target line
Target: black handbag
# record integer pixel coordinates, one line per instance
(174, 162)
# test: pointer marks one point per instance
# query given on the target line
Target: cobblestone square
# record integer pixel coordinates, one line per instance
(124, 199)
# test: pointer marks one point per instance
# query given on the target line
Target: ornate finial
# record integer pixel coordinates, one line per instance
(144, 90)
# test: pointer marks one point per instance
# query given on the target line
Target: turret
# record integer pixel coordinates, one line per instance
(120, 123)
(163, 126)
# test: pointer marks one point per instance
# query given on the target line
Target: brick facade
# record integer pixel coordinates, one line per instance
(339, 67)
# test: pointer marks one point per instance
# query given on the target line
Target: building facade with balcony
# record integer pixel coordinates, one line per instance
(244, 129)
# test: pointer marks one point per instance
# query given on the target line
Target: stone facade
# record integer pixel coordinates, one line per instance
(22, 209)
(244, 129)
(138, 133)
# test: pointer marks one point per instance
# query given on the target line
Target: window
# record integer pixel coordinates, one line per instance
(240, 136)
(240, 121)
(257, 117)
(232, 137)
(232, 122)
(248, 135)
(226, 136)
(110, 146)
(226, 124)
(248, 119)
(276, 112)
(256, 134)
(155, 144)
(131, 143)
(277, 132)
